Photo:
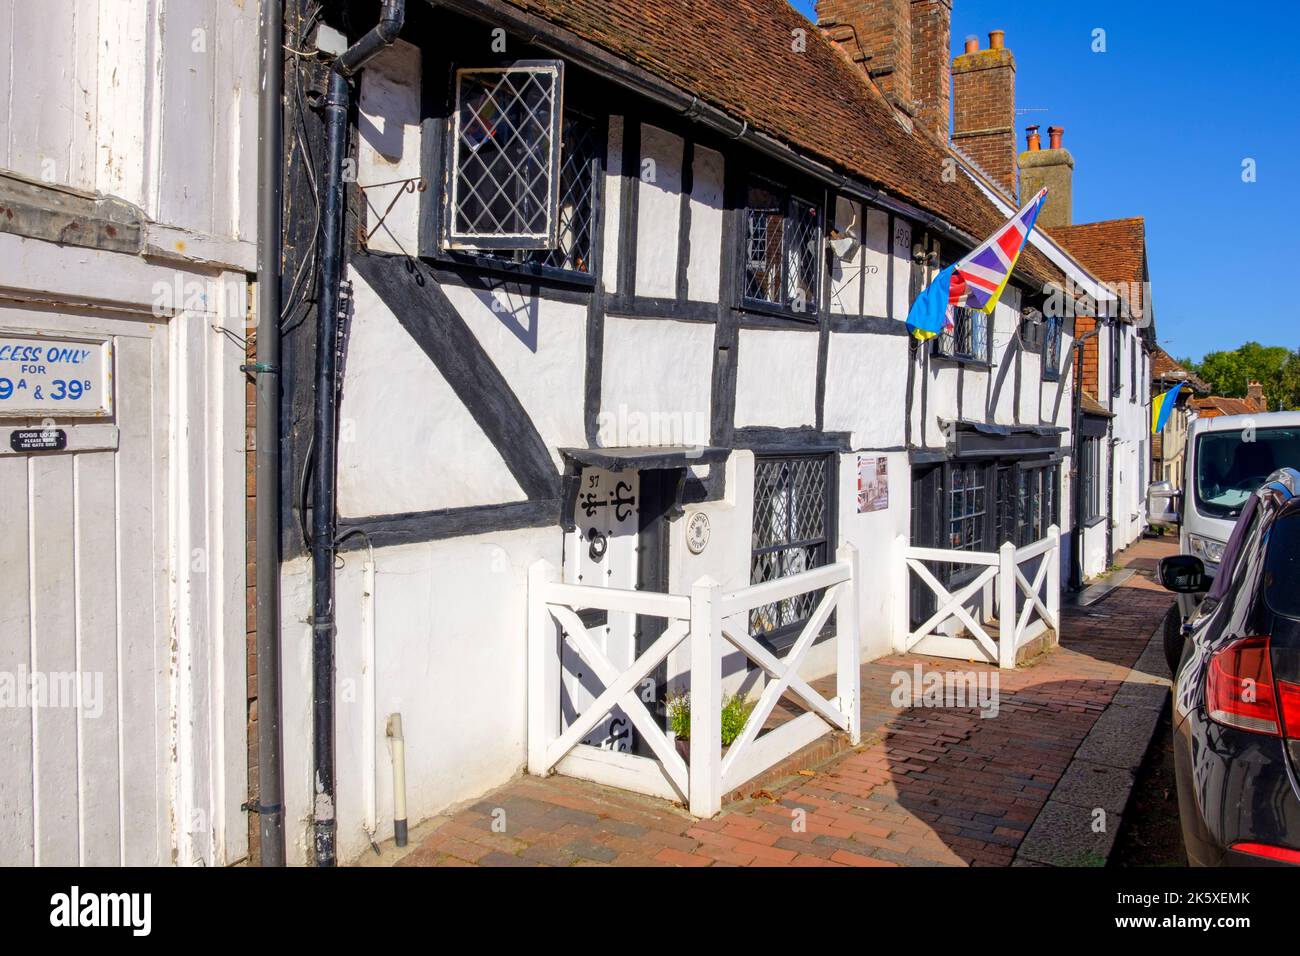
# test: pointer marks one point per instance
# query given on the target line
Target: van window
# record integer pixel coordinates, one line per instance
(1231, 465)
(1282, 567)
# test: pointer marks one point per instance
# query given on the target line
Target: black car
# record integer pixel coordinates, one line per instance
(1236, 717)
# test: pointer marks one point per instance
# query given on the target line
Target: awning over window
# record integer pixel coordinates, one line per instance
(980, 439)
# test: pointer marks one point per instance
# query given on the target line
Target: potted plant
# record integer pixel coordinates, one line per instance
(735, 713)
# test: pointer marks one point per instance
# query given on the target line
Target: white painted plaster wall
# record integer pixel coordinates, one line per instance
(658, 212)
(540, 347)
(450, 658)
(776, 378)
(388, 148)
(704, 267)
(394, 399)
(864, 374)
(657, 382)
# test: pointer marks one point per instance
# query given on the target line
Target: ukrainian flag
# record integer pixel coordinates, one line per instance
(1161, 406)
(977, 281)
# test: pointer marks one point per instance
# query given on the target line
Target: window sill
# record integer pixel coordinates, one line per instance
(1093, 522)
(770, 310)
(517, 271)
(963, 360)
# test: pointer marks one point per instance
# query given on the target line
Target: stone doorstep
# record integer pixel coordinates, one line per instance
(1102, 773)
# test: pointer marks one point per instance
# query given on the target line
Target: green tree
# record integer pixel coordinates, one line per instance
(1276, 368)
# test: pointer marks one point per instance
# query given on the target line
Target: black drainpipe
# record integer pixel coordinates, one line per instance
(270, 170)
(1076, 464)
(325, 429)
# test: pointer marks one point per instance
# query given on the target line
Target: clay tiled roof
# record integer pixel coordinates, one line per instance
(739, 56)
(1165, 369)
(1114, 251)
(1216, 405)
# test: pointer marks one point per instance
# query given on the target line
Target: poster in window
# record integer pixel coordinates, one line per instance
(873, 483)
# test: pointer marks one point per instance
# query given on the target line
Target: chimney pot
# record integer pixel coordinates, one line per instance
(1056, 132)
(1035, 141)
(972, 44)
(997, 39)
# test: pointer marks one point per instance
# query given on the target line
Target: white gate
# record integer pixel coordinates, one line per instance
(83, 616)
(122, 586)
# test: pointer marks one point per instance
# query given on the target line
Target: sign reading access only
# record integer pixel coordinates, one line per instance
(59, 377)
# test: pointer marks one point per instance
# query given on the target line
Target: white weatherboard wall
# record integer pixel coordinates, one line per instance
(449, 657)
(153, 102)
(123, 560)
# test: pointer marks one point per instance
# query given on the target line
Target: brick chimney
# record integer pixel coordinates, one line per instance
(1255, 394)
(1052, 167)
(984, 108)
(877, 34)
(931, 73)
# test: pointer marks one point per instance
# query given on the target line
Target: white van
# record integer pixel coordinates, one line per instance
(1227, 458)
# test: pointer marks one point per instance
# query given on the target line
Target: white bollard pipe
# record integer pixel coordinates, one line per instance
(397, 746)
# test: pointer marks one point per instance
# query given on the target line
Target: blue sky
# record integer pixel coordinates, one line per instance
(1159, 125)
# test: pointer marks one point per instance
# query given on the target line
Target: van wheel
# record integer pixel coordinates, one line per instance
(1173, 638)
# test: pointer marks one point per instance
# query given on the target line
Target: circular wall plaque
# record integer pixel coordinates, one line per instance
(697, 532)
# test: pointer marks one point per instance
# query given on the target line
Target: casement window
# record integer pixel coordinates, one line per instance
(967, 506)
(783, 249)
(792, 532)
(1036, 506)
(524, 170)
(1053, 333)
(503, 175)
(1116, 357)
(969, 338)
(1090, 484)
(1133, 372)
(976, 506)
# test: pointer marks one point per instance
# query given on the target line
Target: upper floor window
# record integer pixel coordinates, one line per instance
(783, 248)
(969, 338)
(1116, 357)
(523, 169)
(1053, 329)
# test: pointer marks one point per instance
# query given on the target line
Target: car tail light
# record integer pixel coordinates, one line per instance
(1239, 691)
(1280, 853)
(1288, 696)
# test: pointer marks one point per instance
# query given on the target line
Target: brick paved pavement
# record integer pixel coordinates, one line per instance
(927, 787)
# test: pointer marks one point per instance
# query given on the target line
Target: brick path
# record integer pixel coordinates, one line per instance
(935, 786)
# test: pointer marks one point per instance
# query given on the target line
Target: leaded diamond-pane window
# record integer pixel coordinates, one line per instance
(578, 166)
(783, 248)
(791, 534)
(969, 338)
(505, 171)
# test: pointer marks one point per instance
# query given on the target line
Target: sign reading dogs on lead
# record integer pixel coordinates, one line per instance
(63, 377)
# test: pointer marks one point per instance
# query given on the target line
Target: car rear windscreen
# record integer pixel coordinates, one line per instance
(1282, 567)
(1230, 465)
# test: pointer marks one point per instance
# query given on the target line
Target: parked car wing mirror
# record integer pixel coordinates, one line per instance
(1163, 503)
(1183, 573)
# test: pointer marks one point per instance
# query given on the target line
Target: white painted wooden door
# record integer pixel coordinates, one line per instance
(602, 551)
(84, 615)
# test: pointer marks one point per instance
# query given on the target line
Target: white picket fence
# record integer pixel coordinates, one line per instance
(994, 594)
(697, 618)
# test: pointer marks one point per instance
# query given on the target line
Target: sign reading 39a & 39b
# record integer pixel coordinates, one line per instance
(54, 376)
